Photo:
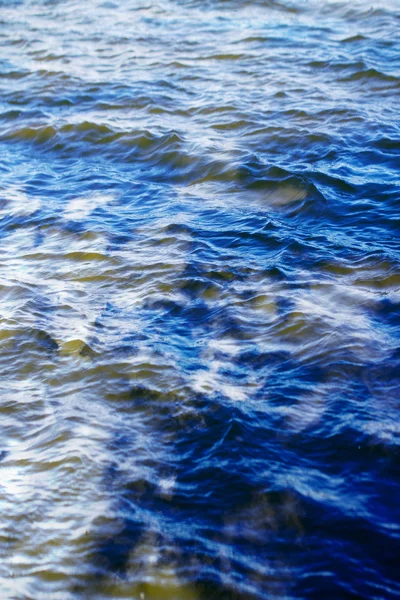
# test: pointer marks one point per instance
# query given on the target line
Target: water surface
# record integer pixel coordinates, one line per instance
(200, 308)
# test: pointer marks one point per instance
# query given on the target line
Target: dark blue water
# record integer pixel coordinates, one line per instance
(200, 300)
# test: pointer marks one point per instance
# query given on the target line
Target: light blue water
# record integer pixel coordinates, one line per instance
(200, 308)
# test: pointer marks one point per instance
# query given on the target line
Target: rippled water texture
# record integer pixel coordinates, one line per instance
(200, 308)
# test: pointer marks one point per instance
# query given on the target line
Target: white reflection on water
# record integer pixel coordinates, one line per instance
(16, 202)
(80, 208)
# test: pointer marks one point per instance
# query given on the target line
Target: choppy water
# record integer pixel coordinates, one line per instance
(200, 308)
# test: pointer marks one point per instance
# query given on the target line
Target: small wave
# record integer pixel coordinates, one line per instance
(371, 74)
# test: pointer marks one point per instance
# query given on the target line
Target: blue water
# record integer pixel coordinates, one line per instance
(200, 300)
